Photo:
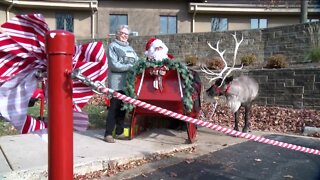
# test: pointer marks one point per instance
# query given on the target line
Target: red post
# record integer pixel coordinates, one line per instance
(60, 48)
(42, 101)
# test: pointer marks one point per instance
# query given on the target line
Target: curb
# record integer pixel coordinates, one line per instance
(88, 166)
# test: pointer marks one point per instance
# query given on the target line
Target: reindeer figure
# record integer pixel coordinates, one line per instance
(240, 91)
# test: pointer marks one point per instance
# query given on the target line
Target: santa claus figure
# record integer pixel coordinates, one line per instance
(156, 50)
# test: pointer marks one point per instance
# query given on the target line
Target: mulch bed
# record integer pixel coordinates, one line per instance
(266, 118)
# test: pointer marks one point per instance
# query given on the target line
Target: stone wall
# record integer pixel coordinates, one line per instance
(294, 41)
(297, 88)
(294, 88)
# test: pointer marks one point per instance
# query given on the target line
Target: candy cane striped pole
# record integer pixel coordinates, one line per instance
(206, 124)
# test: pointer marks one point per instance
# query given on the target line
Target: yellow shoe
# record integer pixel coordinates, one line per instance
(122, 137)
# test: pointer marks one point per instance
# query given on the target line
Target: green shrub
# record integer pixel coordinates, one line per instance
(35, 110)
(191, 60)
(277, 61)
(248, 59)
(97, 115)
(6, 128)
(314, 54)
(215, 63)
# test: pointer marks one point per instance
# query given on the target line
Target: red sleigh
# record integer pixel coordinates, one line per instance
(169, 96)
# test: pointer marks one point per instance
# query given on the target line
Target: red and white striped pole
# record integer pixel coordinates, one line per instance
(60, 49)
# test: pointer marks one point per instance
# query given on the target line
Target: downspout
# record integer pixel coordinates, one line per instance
(93, 24)
(194, 18)
(8, 10)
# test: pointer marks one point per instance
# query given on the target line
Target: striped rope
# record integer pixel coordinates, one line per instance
(212, 126)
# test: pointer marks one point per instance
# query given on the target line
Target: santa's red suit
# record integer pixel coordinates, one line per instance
(156, 50)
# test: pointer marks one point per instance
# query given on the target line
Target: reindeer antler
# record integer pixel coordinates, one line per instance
(237, 46)
(226, 68)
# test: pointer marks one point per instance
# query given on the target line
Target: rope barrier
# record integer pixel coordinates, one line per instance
(100, 88)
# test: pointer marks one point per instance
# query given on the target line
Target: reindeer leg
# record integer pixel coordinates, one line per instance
(246, 117)
(236, 117)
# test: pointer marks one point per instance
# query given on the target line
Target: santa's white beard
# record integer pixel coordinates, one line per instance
(158, 55)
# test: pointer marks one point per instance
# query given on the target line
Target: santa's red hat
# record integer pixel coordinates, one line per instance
(150, 41)
(152, 44)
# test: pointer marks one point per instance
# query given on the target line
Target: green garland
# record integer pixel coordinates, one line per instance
(186, 76)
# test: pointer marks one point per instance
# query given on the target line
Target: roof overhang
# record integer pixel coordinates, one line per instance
(248, 9)
(78, 5)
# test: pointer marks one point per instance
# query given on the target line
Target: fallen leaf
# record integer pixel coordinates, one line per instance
(266, 118)
(173, 174)
(288, 177)
(188, 161)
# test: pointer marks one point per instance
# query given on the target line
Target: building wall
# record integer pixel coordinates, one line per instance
(143, 16)
(3, 15)
(82, 24)
(238, 22)
(82, 19)
(275, 21)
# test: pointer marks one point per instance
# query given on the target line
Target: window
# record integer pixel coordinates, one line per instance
(219, 24)
(116, 20)
(64, 21)
(168, 24)
(259, 23)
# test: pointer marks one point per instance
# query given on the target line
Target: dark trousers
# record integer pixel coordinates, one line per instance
(115, 118)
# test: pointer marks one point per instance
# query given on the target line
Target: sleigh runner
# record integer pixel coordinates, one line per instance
(167, 84)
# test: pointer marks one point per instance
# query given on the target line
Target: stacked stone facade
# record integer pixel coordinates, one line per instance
(293, 87)
(290, 87)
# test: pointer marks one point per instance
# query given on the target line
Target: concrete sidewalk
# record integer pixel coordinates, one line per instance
(26, 156)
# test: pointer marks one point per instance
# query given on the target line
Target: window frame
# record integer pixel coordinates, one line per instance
(65, 17)
(258, 23)
(220, 23)
(118, 23)
(168, 31)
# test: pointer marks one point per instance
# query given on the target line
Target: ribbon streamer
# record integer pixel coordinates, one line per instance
(22, 55)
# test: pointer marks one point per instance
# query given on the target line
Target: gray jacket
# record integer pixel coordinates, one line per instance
(121, 58)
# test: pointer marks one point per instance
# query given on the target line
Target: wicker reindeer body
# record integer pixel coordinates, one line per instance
(240, 91)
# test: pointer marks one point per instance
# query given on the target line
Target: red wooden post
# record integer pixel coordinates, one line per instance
(60, 48)
(42, 101)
